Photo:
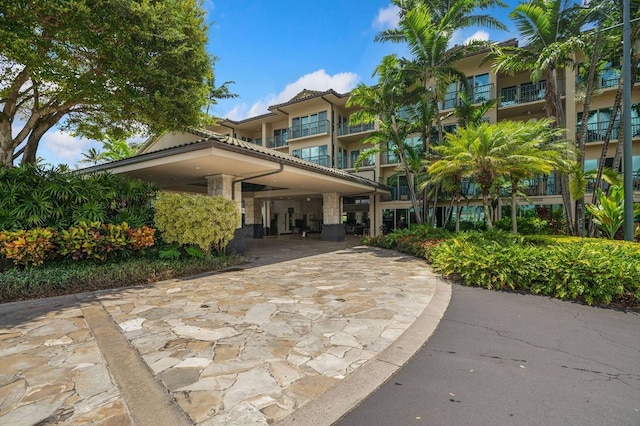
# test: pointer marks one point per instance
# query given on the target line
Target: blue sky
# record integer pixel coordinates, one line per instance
(273, 50)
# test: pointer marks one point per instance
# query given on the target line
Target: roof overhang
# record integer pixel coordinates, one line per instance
(186, 167)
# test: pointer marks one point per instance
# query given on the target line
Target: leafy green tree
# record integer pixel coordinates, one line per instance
(115, 149)
(217, 92)
(127, 65)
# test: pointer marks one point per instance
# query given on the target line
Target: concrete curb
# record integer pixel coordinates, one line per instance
(335, 403)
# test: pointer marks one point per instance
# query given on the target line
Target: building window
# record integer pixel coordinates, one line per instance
(479, 88)
(313, 154)
(342, 158)
(280, 137)
(309, 125)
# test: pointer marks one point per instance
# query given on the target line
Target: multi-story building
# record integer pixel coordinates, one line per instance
(312, 130)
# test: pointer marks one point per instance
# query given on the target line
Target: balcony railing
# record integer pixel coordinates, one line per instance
(277, 141)
(322, 160)
(527, 93)
(400, 193)
(540, 186)
(476, 95)
(608, 78)
(345, 129)
(597, 131)
(591, 183)
(309, 129)
(351, 163)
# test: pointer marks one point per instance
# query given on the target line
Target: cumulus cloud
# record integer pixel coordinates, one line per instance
(59, 147)
(478, 35)
(317, 80)
(387, 18)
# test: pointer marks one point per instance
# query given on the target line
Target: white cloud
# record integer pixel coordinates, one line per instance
(59, 147)
(387, 18)
(318, 80)
(478, 35)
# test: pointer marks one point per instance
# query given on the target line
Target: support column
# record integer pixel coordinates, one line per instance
(253, 218)
(223, 186)
(332, 226)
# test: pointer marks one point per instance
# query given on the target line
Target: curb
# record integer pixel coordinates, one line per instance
(340, 399)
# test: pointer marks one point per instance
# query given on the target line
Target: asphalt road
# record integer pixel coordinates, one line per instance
(510, 359)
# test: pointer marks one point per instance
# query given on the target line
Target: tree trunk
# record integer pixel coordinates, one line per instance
(485, 208)
(583, 129)
(457, 211)
(6, 144)
(617, 159)
(435, 206)
(514, 205)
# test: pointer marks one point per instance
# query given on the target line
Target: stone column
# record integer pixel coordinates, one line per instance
(332, 226)
(253, 218)
(223, 186)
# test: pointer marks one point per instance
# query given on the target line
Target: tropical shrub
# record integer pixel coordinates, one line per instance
(57, 198)
(196, 219)
(27, 248)
(85, 241)
(526, 225)
(592, 270)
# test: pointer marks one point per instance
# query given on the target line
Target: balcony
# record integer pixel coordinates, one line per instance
(597, 131)
(540, 186)
(400, 193)
(277, 141)
(350, 163)
(476, 95)
(526, 93)
(344, 128)
(309, 129)
(321, 160)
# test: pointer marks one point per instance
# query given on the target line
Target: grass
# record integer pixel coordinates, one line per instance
(56, 279)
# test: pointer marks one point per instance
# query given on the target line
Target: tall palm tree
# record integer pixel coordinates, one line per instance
(385, 103)
(426, 27)
(532, 148)
(551, 33)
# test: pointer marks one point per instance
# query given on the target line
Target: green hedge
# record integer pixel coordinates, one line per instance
(594, 270)
(69, 277)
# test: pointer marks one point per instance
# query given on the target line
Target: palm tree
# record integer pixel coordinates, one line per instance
(427, 27)
(385, 104)
(532, 148)
(479, 152)
(92, 156)
(551, 33)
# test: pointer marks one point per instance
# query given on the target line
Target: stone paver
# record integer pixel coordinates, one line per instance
(250, 345)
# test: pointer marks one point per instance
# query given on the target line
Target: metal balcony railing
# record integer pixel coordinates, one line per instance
(400, 193)
(309, 129)
(527, 93)
(346, 129)
(476, 95)
(597, 131)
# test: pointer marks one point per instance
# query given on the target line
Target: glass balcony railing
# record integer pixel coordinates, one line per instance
(540, 186)
(345, 129)
(322, 160)
(597, 131)
(636, 183)
(351, 163)
(309, 129)
(476, 95)
(277, 141)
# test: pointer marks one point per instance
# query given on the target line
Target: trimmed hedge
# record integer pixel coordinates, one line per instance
(591, 270)
(56, 279)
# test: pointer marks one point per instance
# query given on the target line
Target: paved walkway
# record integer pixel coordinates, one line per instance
(299, 334)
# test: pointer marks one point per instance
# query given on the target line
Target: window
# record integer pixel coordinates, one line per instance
(279, 137)
(313, 154)
(598, 122)
(479, 87)
(309, 125)
(530, 92)
(365, 162)
(342, 158)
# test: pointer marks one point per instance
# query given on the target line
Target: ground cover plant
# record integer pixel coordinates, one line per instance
(590, 270)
